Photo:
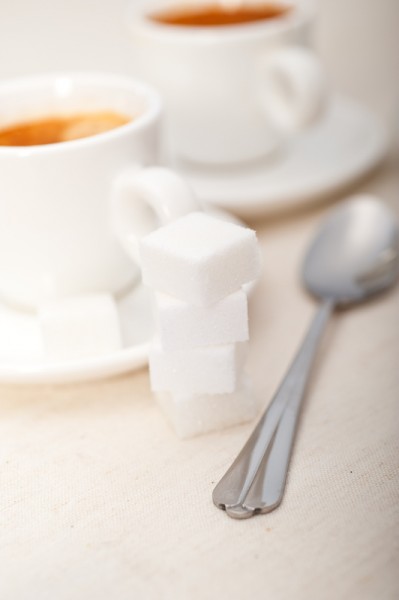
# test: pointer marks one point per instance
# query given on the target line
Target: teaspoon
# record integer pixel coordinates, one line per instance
(354, 255)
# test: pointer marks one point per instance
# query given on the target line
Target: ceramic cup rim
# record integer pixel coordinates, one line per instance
(138, 21)
(151, 114)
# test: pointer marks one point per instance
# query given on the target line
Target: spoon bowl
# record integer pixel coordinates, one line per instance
(355, 253)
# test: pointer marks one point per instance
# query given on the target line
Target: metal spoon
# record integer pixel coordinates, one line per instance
(354, 255)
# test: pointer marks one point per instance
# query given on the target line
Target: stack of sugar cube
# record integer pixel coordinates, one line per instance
(196, 267)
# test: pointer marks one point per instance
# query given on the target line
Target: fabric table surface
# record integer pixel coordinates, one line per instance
(100, 500)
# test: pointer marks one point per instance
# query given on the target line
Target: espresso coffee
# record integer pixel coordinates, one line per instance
(55, 129)
(217, 15)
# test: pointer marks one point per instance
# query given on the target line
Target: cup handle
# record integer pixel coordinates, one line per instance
(294, 88)
(146, 198)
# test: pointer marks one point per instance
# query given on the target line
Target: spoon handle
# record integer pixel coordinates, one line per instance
(267, 489)
(248, 477)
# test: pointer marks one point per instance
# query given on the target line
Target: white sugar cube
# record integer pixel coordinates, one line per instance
(194, 415)
(206, 370)
(80, 327)
(183, 326)
(199, 259)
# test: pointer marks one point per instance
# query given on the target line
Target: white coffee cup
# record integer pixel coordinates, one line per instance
(71, 212)
(232, 93)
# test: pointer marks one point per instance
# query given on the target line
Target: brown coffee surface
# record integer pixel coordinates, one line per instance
(214, 15)
(55, 129)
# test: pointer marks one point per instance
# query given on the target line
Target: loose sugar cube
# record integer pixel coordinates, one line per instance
(183, 326)
(194, 415)
(206, 370)
(199, 259)
(80, 327)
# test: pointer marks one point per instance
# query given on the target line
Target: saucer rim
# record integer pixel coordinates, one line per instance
(90, 369)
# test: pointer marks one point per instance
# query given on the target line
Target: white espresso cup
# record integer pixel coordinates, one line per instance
(232, 92)
(71, 212)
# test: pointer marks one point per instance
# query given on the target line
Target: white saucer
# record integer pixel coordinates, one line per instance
(22, 359)
(336, 152)
(21, 351)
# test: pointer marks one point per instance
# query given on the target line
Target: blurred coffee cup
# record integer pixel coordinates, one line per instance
(238, 77)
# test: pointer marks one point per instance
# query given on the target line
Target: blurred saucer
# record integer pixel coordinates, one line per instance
(22, 359)
(336, 152)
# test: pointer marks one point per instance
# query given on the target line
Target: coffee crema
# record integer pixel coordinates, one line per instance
(62, 128)
(217, 15)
